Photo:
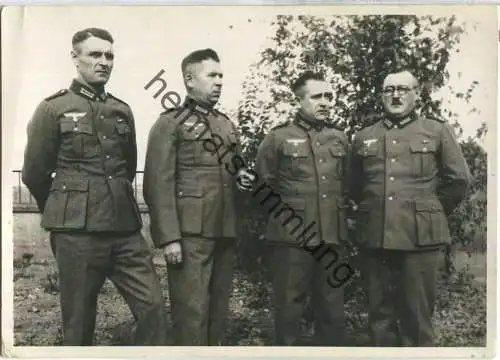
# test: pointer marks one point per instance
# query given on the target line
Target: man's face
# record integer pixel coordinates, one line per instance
(205, 81)
(399, 94)
(316, 100)
(94, 60)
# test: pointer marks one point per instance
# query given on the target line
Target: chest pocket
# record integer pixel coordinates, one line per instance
(192, 149)
(296, 149)
(339, 154)
(423, 156)
(77, 137)
(296, 158)
(122, 127)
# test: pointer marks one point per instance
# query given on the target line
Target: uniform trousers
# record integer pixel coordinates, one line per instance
(200, 289)
(85, 260)
(401, 289)
(298, 273)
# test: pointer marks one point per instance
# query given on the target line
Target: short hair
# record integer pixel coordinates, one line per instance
(82, 35)
(399, 70)
(305, 77)
(198, 56)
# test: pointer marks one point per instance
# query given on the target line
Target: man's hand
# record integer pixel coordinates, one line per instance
(244, 180)
(173, 253)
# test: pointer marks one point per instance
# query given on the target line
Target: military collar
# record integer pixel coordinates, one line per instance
(196, 106)
(401, 123)
(307, 124)
(78, 88)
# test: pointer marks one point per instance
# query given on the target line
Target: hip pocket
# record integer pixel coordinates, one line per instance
(431, 223)
(66, 206)
(190, 211)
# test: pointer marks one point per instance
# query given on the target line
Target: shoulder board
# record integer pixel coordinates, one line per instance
(435, 118)
(57, 94)
(280, 125)
(218, 112)
(179, 112)
(168, 111)
(369, 120)
(337, 125)
(117, 99)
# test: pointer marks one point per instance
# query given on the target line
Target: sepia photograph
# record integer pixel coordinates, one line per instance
(251, 178)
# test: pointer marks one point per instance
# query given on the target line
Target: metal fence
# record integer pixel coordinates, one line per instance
(23, 201)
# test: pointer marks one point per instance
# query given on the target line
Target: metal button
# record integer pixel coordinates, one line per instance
(394, 141)
(393, 160)
(424, 149)
(323, 177)
(104, 137)
(390, 198)
(318, 143)
(64, 187)
(323, 196)
(110, 177)
(392, 178)
(180, 192)
(102, 116)
(76, 128)
(321, 160)
(395, 126)
(107, 156)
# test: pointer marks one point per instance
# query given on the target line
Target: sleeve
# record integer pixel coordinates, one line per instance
(132, 151)
(159, 182)
(40, 155)
(454, 174)
(266, 165)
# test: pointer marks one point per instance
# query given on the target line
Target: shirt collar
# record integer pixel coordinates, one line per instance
(389, 124)
(87, 92)
(308, 124)
(192, 104)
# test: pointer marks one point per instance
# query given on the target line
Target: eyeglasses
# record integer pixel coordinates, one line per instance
(402, 90)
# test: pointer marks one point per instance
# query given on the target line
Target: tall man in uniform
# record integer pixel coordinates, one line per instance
(79, 165)
(407, 174)
(302, 163)
(189, 188)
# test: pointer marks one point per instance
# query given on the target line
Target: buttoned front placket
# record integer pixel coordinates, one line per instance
(394, 149)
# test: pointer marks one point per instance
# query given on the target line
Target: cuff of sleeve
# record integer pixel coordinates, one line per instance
(167, 242)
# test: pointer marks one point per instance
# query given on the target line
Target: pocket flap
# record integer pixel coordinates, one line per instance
(67, 125)
(428, 206)
(70, 185)
(295, 204)
(296, 148)
(122, 126)
(423, 145)
(368, 150)
(338, 151)
(196, 193)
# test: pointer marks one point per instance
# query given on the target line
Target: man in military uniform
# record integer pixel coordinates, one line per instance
(79, 164)
(302, 162)
(407, 174)
(190, 191)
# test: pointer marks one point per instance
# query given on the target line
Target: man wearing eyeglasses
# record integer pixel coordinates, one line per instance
(407, 174)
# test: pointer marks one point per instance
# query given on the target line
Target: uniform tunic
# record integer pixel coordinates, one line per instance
(302, 171)
(80, 162)
(406, 178)
(189, 175)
